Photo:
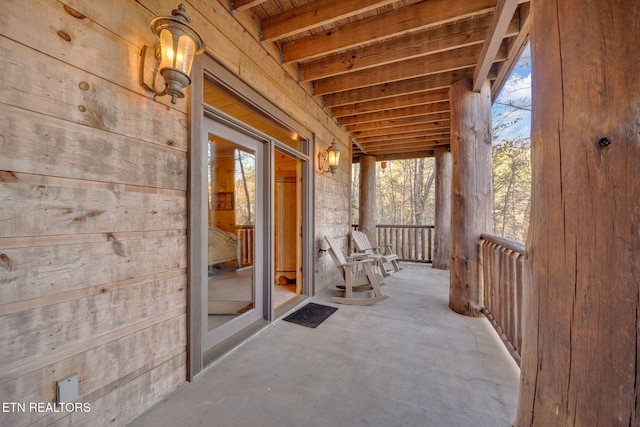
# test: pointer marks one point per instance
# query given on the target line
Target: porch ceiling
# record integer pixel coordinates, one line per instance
(382, 68)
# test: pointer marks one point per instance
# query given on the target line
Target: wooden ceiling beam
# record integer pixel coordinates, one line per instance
(387, 90)
(419, 139)
(379, 151)
(394, 137)
(314, 14)
(419, 98)
(418, 110)
(502, 17)
(430, 145)
(404, 121)
(438, 63)
(448, 37)
(399, 156)
(420, 127)
(242, 5)
(378, 27)
(516, 46)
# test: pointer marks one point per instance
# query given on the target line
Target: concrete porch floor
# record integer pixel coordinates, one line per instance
(406, 361)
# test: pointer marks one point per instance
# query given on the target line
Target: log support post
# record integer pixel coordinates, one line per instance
(471, 192)
(367, 208)
(442, 237)
(581, 358)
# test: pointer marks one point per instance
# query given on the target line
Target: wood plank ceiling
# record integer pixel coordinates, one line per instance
(382, 68)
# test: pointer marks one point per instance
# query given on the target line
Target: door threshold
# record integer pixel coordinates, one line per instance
(289, 305)
(232, 342)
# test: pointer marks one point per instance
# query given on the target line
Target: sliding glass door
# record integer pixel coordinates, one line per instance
(251, 234)
(235, 198)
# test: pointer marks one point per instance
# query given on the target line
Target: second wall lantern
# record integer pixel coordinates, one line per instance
(330, 159)
(179, 43)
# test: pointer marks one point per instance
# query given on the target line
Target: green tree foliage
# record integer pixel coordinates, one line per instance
(404, 192)
(511, 188)
(511, 116)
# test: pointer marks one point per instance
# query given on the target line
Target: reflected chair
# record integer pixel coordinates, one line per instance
(361, 242)
(358, 275)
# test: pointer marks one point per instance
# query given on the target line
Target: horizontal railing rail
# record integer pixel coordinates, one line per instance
(504, 277)
(412, 243)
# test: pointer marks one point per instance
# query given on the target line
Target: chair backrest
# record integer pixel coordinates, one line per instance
(361, 241)
(334, 251)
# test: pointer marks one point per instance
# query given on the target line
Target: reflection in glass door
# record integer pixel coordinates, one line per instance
(232, 178)
(234, 267)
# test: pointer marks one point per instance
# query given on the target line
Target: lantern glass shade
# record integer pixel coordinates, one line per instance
(178, 50)
(334, 157)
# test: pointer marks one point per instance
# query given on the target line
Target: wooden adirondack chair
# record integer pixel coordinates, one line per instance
(361, 242)
(358, 276)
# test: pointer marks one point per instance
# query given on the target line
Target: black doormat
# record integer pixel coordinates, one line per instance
(311, 315)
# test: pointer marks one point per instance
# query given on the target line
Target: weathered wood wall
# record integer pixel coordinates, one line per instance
(93, 180)
(93, 196)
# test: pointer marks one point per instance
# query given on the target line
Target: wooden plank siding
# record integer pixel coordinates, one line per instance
(93, 219)
(94, 201)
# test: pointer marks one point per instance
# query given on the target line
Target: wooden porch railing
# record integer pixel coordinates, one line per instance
(412, 243)
(504, 276)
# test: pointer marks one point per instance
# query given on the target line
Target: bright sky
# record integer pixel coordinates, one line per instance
(517, 91)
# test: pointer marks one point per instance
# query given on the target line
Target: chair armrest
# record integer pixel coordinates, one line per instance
(357, 256)
(377, 247)
(360, 261)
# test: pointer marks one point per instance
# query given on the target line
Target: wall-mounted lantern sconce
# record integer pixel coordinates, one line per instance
(330, 159)
(179, 44)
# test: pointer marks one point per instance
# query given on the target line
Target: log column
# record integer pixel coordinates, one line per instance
(471, 192)
(367, 208)
(442, 236)
(580, 359)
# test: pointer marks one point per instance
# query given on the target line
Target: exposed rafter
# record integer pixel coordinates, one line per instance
(499, 24)
(400, 122)
(242, 5)
(380, 27)
(417, 110)
(383, 68)
(313, 15)
(419, 98)
(389, 90)
(393, 138)
(516, 46)
(443, 126)
(448, 37)
(437, 63)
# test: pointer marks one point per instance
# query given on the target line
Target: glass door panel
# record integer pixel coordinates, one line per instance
(231, 221)
(234, 218)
